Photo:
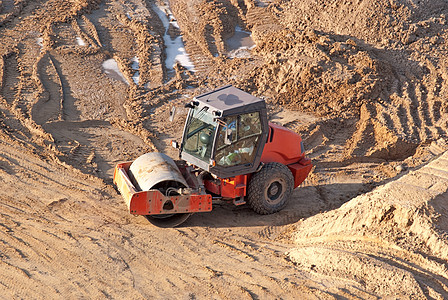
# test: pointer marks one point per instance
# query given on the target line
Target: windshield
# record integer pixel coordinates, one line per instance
(199, 133)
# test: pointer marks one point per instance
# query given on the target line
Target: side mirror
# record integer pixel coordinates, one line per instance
(228, 137)
(172, 113)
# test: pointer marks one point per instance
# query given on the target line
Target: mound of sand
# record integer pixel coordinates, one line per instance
(378, 63)
(391, 241)
(375, 22)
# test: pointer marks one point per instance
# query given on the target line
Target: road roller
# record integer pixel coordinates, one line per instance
(229, 151)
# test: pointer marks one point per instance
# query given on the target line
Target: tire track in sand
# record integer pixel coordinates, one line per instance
(49, 107)
(10, 78)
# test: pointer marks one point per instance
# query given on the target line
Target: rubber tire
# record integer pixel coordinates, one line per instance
(261, 185)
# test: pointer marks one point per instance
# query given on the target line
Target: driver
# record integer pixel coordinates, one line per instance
(205, 139)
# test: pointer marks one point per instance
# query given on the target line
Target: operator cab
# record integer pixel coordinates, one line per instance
(225, 132)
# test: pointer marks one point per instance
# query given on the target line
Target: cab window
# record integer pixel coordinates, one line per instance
(239, 147)
(200, 130)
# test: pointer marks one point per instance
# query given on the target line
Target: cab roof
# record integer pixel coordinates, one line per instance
(229, 100)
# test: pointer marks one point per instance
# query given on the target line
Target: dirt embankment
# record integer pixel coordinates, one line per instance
(391, 241)
(400, 49)
(84, 85)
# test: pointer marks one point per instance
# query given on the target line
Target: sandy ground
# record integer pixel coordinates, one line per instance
(84, 84)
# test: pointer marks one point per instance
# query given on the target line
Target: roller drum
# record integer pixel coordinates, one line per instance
(156, 171)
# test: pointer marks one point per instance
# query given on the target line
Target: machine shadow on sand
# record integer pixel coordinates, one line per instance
(298, 208)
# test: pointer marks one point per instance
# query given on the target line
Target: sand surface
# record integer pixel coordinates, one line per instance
(85, 84)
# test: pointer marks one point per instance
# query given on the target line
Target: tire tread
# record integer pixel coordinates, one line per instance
(256, 188)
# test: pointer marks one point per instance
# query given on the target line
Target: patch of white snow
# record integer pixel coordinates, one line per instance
(240, 43)
(80, 41)
(135, 63)
(175, 49)
(135, 66)
(136, 77)
(111, 68)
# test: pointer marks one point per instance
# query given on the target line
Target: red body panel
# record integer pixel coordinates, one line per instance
(233, 187)
(151, 203)
(283, 146)
(300, 170)
(213, 187)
